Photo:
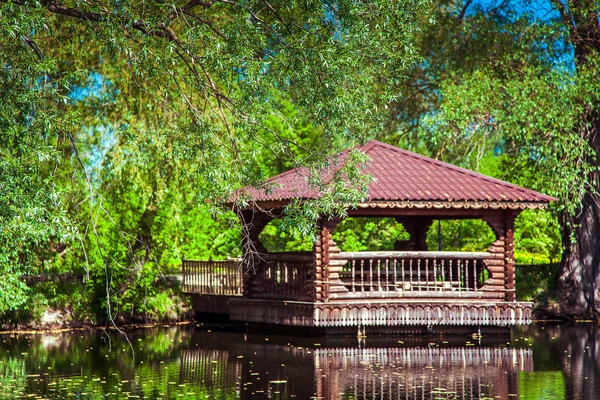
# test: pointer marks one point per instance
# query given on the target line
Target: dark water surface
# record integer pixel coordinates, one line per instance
(546, 361)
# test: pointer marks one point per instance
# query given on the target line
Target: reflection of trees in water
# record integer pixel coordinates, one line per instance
(572, 349)
(81, 360)
(13, 378)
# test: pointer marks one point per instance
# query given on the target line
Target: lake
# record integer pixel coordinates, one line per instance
(541, 361)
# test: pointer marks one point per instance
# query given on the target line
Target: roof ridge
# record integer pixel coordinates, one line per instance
(373, 143)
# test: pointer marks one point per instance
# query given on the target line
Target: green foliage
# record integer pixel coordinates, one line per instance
(374, 234)
(537, 238)
(461, 235)
(537, 282)
(279, 237)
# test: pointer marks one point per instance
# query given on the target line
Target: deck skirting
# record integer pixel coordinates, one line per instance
(380, 313)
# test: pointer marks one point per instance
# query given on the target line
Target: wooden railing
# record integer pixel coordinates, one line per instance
(212, 277)
(411, 272)
(283, 276)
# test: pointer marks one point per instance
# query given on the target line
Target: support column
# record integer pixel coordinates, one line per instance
(502, 251)
(509, 256)
(327, 271)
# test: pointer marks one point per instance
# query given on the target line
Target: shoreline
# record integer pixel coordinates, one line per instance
(149, 325)
(83, 328)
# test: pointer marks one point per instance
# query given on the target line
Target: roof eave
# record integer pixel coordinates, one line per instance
(407, 204)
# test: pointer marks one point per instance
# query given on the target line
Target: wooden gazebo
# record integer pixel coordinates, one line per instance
(409, 286)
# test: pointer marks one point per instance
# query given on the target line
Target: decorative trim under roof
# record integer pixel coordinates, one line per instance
(472, 205)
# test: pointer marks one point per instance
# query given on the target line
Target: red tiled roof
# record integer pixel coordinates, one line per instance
(401, 175)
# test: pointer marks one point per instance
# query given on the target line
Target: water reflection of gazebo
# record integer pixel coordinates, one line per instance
(255, 368)
(326, 287)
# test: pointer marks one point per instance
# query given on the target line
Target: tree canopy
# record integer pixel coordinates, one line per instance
(120, 117)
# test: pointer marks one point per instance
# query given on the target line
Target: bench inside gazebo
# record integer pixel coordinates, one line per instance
(409, 286)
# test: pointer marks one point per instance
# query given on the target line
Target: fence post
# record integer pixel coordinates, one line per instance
(183, 280)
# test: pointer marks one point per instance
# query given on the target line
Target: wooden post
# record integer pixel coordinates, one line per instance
(183, 274)
(327, 269)
(509, 255)
(502, 263)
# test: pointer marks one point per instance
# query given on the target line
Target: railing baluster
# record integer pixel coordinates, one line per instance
(434, 260)
(443, 275)
(379, 275)
(451, 273)
(410, 271)
(403, 277)
(467, 284)
(387, 274)
(353, 271)
(427, 274)
(371, 274)
(461, 266)
(200, 277)
(362, 275)
(395, 275)
(419, 274)
(475, 276)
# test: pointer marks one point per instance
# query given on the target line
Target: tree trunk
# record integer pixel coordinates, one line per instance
(579, 281)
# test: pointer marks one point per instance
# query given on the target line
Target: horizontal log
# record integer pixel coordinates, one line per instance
(496, 249)
(337, 289)
(411, 254)
(494, 282)
(489, 294)
(499, 276)
(496, 269)
(494, 262)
